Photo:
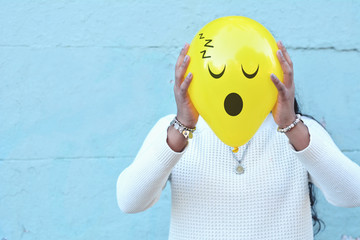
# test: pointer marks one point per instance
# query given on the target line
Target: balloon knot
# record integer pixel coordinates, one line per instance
(235, 150)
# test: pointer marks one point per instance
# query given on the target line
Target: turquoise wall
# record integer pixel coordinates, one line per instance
(82, 83)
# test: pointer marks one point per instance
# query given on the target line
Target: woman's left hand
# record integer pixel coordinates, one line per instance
(283, 111)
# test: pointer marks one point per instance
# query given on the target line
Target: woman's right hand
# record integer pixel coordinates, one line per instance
(186, 112)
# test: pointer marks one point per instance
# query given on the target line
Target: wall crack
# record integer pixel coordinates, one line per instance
(295, 48)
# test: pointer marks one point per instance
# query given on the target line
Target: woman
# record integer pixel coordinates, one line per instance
(269, 200)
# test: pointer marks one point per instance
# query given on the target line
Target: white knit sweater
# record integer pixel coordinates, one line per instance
(210, 201)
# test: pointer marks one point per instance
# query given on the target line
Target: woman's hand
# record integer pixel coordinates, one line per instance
(283, 111)
(186, 112)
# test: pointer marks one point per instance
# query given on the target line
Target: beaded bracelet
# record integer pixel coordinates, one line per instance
(185, 131)
(291, 126)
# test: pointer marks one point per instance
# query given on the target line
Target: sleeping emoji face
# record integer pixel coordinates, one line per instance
(231, 61)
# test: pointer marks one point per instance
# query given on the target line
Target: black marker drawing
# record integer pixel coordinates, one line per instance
(207, 42)
(214, 75)
(204, 52)
(249, 75)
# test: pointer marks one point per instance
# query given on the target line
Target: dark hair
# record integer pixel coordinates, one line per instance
(317, 222)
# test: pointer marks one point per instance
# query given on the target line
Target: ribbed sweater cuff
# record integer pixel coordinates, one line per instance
(166, 155)
(314, 151)
(156, 148)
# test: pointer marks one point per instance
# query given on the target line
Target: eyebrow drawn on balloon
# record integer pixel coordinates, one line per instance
(214, 75)
(252, 75)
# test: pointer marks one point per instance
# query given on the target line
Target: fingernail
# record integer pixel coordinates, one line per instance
(272, 76)
(281, 44)
(186, 58)
(189, 75)
(183, 48)
(279, 51)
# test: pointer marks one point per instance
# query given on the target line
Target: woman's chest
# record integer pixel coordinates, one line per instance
(208, 168)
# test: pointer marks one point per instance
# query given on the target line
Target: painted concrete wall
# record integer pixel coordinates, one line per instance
(82, 83)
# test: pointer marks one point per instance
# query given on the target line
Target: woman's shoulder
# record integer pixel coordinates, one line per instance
(166, 118)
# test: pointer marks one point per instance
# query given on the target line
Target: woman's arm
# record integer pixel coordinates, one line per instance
(329, 169)
(140, 185)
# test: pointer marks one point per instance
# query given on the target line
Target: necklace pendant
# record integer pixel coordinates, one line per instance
(239, 169)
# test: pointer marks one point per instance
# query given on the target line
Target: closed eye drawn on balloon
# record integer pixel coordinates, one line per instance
(252, 75)
(214, 75)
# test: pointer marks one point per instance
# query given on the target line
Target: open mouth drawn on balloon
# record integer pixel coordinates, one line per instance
(252, 75)
(214, 75)
(233, 104)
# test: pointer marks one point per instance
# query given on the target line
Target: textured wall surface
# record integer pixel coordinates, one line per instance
(82, 83)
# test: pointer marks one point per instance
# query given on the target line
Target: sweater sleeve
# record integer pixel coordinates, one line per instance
(139, 186)
(329, 169)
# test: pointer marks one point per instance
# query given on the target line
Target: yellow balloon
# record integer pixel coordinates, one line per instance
(231, 62)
